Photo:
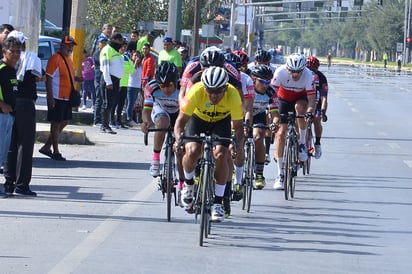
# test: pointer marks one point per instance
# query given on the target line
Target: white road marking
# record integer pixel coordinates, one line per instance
(370, 123)
(354, 109)
(382, 133)
(408, 163)
(72, 260)
(394, 145)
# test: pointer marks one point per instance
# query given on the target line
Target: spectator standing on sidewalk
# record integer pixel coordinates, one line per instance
(112, 68)
(19, 163)
(58, 87)
(97, 120)
(5, 29)
(11, 48)
(148, 65)
(88, 80)
(106, 33)
(134, 92)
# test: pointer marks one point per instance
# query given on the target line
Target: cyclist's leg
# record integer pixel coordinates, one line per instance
(284, 108)
(220, 153)
(301, 107)
(192, 154)
(259, 138)
(161, 120)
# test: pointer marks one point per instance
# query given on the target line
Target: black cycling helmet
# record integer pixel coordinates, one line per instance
(215, 77)
(263, 72)
(262, 56)
(212, 56)
(166, 72)
(235, 59)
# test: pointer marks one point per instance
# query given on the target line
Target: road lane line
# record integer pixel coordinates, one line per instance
(72, 260)
(408, 163)
(394, 145)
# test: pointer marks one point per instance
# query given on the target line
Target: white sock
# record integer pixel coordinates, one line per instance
(220, 190)
(238, 174)
(302, 136)
(280, 166)
(189, 175)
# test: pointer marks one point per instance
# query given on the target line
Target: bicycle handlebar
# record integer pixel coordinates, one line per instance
(145, 137)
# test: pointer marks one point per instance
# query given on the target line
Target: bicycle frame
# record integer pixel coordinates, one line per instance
(249, 169)
(291, 160)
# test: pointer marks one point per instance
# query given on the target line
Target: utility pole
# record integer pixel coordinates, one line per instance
(174, 19)
(195, 32)
(77, 31)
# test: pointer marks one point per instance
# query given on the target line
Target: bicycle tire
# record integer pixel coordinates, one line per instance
(245, 180)
(292, 179)
(169, 182)
(203, 181)
(288, 168)
(250, 167)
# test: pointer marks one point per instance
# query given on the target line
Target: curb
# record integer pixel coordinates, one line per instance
(69, 136)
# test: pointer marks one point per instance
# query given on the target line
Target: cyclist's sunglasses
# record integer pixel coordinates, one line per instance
(264, 82)
(166, 85)
(295, 71)
(216, 90)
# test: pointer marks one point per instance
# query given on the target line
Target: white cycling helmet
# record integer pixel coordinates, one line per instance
(215, 77)
(296, 61)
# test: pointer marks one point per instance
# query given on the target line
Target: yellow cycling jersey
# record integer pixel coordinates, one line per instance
(197, 102)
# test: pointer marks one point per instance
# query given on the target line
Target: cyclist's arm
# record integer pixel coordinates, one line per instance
(248, 108)
(180, 124)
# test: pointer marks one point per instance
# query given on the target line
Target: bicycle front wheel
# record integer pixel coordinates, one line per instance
(204, 182)
(294, 165)
(169, 182)
(250, 168)
(288, 168)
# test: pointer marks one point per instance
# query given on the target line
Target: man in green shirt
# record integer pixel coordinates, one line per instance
(170, 54)
(147, 39)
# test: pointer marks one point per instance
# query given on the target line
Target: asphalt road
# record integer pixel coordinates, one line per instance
(100, 211)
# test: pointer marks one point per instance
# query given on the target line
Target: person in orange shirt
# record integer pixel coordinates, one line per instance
(148, 65)
(58, 87)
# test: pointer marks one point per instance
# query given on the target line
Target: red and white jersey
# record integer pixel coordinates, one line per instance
(247, 86)
(289, 90)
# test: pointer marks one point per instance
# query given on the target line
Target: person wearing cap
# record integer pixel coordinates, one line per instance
(147, 39)
(8, 87)
(112, 68)
(59, 69)
(107, 30)
(170, 54)
(19, 162)
(184, 53)
(97, 111)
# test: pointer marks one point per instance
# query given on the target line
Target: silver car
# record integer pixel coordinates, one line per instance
(47, 47)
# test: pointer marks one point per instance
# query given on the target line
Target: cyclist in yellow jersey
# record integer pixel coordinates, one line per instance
(209, 107)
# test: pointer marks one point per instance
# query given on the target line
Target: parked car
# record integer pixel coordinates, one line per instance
(47, 47)
(50, 27)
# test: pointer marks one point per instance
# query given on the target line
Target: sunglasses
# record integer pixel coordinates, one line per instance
(264, 82)
(166, 85)
(216, 90)
(296, 71)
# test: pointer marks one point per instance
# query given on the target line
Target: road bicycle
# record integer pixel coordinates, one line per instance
(249, 165)
(167, 179)
(291, 153)
(204, 189)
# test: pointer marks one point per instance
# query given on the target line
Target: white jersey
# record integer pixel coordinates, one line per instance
(289, 90)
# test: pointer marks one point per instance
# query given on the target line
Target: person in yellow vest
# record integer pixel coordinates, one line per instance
(112, 68)
(385, 59)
